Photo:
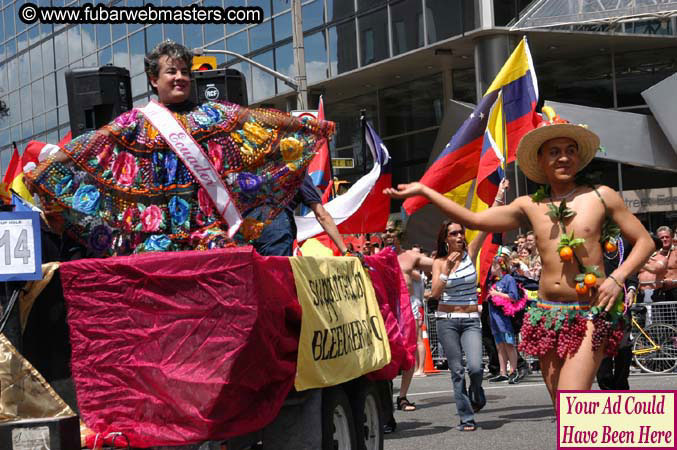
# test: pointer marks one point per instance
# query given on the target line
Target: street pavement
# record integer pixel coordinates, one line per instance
(517, 417)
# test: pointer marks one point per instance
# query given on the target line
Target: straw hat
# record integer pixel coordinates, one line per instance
(555, 127)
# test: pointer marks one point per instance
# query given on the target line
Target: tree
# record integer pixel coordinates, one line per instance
(4, 110)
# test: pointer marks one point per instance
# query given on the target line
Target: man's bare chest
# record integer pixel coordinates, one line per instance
(585, 219)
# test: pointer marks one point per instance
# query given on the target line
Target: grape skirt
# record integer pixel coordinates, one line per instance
(562, 327)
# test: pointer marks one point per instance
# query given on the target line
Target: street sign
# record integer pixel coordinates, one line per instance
(20, 249)
(343, 163)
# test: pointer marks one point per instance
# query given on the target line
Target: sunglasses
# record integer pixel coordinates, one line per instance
(391, 230)
(454, 233)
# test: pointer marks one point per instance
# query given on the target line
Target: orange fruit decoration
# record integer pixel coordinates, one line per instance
(610, 246)
(581, 289)
(566, 253)
(590, 280)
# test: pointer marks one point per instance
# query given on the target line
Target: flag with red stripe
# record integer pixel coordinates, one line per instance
(363, 208)
(459, 161)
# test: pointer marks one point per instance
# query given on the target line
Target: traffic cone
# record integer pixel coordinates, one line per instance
(429, 366)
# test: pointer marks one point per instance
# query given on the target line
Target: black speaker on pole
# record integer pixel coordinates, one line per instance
(219, 84)
(97, 95)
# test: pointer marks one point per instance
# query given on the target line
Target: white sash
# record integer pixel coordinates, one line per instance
(194, 158)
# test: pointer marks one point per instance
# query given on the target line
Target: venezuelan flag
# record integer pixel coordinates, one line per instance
(459, 161)
(492, 159)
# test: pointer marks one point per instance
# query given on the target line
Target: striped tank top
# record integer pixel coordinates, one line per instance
(461, 287)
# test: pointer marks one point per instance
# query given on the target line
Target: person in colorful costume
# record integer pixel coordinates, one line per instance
(577, 319)
(121, 189)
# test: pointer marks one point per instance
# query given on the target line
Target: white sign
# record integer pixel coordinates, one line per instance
(20, 255)
(36, 438)
(651, 200)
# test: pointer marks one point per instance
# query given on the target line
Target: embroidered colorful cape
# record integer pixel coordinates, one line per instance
(121, 189)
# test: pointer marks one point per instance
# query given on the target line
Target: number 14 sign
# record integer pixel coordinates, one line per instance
(20, 250)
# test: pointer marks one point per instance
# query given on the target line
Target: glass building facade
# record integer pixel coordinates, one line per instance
(339, 36)
(343, 40)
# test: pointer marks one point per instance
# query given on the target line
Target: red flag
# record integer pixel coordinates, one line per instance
(319, 168)
(489, 250)
(327, 194)
(33, 148)
(13, 170)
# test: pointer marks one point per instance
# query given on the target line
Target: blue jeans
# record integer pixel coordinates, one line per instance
(460, 335)
(277, 238)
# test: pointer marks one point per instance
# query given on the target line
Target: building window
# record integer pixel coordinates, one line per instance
(374, 36)
(562, 80)
(339, 9)
(638, 71)
(120, 30)
(137, 52)
(263, 4)
(280, 5)
(36, 62)
(264, 83)
(342, 48)
(407, 26)
(238, 44)
(282, 26)
(214, 32)
(316, 57)
(363, 5)
(88, 39)
(193, 34)
(463, 82)
(261, 35)
(411, 106)
(447, 18)
(505, 11)
(284, 63)
(313, 15)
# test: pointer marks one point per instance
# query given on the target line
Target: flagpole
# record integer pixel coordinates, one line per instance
(505, 146)
(331, 166)
(363, 119)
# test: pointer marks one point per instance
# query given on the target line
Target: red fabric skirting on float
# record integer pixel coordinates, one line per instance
(179, 348)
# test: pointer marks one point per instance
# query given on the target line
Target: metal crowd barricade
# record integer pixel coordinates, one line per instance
(661, 312)
(436, 349)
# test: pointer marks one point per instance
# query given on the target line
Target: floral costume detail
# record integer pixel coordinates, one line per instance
(562, 326)
(121, 189)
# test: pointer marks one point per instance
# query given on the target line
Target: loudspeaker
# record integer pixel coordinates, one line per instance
(219, 84)
(97, 95)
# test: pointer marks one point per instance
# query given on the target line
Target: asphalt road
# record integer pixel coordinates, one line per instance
(517, 417)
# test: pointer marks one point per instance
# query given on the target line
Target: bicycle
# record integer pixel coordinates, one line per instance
(655, 347)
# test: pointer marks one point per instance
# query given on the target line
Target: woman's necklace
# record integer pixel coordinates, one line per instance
(562, 197)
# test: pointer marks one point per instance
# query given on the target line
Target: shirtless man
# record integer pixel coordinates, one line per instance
(653, 272)
(553, 154)
(410, 261)
(669, 278)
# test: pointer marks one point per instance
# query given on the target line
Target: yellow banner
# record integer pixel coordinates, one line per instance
(342, 331)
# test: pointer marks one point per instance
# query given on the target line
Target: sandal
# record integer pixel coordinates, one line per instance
(405, 405)
(467, 427)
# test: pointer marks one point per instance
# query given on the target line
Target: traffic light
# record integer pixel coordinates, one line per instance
(203, 63)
